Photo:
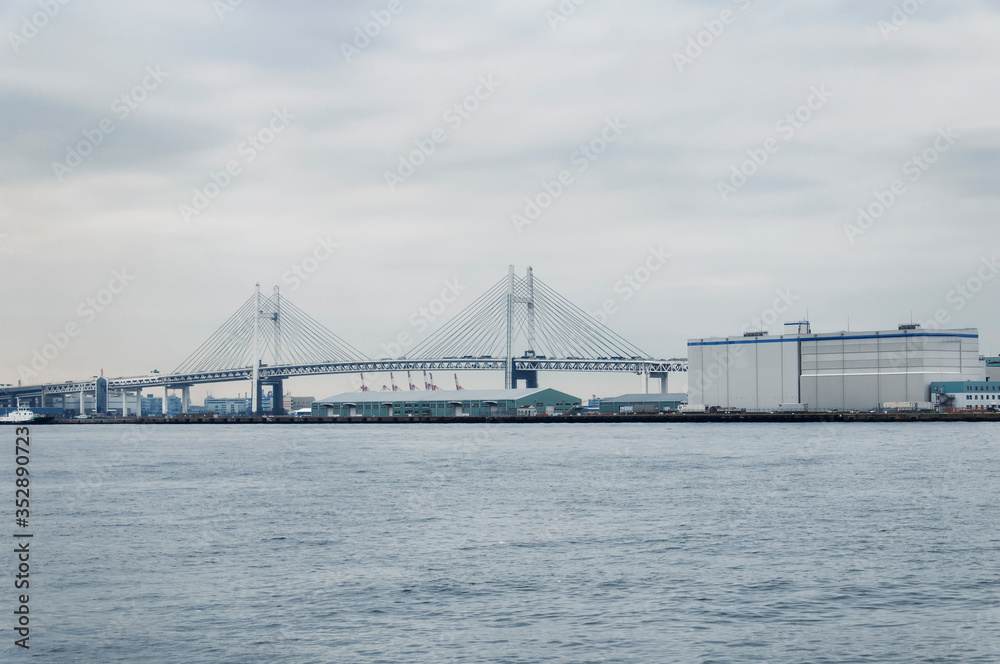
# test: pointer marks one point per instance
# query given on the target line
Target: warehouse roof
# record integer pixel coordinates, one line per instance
(765, 338)
(647, 398)
(439, 395)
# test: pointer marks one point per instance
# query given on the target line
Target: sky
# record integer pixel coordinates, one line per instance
(681, 169)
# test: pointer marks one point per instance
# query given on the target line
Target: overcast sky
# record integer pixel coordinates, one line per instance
(119, 122)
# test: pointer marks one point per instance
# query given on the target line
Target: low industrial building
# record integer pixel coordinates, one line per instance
(233, 406)
(834, 371)
(969, 395)
(298, 403)
(647, 404)
(447, 403)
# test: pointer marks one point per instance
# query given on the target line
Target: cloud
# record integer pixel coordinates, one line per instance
(655, 186)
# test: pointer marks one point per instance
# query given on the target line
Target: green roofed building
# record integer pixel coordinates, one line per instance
(629, 404)
(966, 395)
(447, 403)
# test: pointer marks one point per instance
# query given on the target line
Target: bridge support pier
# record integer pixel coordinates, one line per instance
(664, 379)
(529, 376)
(164, 410)
(185, 398)
(277, 396)
(256, 398)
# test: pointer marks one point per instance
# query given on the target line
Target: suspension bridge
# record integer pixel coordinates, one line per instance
(269, 339)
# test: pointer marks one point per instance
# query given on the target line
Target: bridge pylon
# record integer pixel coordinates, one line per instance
(524, 309)
(268, 332)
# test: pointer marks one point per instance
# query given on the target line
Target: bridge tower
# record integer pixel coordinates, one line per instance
(508, 375)
(512, 375)
(255, 376)
(264, 337)
(277, 384)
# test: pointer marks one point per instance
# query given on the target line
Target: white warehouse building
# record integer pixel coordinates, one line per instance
(836, 371)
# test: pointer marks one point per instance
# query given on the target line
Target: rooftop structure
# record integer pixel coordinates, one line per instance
(642, 403)
(447, 403)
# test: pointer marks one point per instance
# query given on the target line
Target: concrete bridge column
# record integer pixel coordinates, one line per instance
(529, 376)
(277, 396)
(185, 398)
(166, 400)
(257, 398)
(664, 377)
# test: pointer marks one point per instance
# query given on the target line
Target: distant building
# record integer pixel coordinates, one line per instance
(629, 404)
(968, 395)
(297, 403)
(153, 406)
(228, 406)
(593, 405)
(834, 371)
(232, 407)
(447, 403)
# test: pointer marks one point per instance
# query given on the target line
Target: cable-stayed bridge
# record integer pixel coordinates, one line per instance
(269, 339)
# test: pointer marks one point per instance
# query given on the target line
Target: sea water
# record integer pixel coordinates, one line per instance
(538, 542)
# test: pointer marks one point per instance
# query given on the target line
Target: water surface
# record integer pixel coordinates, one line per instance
(515, 543)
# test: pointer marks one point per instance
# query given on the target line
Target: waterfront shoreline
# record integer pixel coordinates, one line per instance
(685, 418)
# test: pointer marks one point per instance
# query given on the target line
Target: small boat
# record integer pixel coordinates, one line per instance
(19, 416)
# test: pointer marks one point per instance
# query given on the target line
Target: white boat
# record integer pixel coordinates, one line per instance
(19, 416)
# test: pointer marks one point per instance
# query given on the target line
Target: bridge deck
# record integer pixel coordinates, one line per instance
(637, 366)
